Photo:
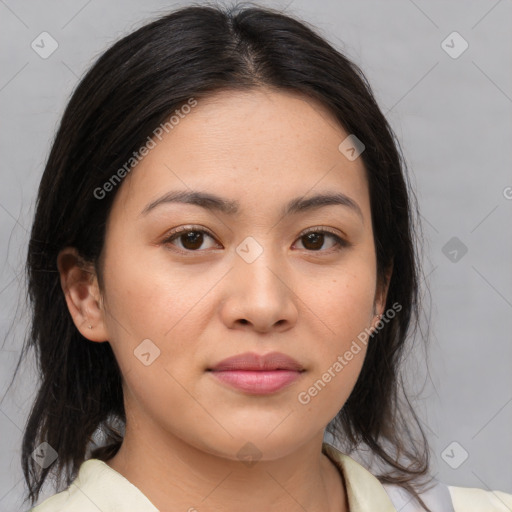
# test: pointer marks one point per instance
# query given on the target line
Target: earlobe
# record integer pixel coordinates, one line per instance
(80, 286)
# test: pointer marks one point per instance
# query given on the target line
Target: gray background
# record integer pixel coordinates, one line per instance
(452, 116)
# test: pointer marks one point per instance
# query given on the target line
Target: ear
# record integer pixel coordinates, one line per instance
(382, 291)
(80, 286)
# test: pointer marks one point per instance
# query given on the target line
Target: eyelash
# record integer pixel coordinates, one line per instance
(340, 242)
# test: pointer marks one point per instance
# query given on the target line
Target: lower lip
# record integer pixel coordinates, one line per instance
(257, 382)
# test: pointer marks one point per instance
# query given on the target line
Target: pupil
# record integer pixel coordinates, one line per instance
(193, 238)
(311, 237)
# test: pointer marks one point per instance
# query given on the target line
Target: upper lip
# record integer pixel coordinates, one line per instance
(255, 362)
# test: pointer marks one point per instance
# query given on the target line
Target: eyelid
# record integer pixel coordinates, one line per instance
(185, 229)
(321, 228)
(306, 231)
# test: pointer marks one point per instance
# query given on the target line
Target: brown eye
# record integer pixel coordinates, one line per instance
(314, 240)
(191, 239)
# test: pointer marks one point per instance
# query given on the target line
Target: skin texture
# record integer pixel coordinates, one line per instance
(306, 298)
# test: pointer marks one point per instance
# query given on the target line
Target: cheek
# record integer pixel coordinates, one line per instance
(344, 303)
(344, 310)
(149, 296)
(338, 356)
(155, 319)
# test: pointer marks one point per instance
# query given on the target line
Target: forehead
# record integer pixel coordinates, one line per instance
(257, 147)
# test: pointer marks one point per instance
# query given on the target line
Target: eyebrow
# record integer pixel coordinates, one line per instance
(214, 202)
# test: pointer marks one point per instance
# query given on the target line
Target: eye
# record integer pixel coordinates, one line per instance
(192, 238)
(314, 239)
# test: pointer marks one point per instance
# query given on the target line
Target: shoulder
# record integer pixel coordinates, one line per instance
(469, 499)
(366, 489)
(450, 499)
(97, 487)
(66, 500)
(76, 496)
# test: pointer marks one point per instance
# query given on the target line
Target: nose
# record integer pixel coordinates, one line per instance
(259, 295)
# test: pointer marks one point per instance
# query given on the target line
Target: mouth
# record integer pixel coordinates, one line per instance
(258, 374)
(257, 382)
(255, 362)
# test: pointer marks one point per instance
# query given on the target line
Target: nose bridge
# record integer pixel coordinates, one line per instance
(257, 262)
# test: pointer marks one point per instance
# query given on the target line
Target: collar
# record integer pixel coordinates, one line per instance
(106, 488)
(364, 492)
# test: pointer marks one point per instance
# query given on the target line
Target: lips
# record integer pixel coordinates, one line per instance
(258, 374)
(251, 361)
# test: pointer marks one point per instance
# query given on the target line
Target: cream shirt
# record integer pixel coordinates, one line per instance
(99, 488)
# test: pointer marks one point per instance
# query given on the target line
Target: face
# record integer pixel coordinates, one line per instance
(187, 286)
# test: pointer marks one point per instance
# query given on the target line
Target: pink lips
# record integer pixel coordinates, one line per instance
(257, 374)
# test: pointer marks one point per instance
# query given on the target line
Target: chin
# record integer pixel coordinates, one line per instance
(255, 446)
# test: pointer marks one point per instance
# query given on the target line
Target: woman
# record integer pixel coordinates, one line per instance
(222, 270)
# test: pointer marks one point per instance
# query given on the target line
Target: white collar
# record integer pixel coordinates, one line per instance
(107, 489)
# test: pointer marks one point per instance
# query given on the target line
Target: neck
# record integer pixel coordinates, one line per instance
(174, 475)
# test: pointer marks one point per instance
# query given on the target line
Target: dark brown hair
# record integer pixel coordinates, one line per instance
(130, 90)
